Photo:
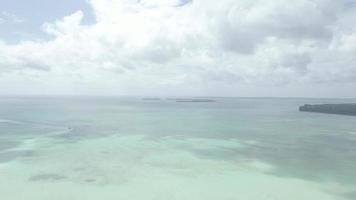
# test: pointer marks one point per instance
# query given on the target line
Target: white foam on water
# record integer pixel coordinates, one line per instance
(8, 121)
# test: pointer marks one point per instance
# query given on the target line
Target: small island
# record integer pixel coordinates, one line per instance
(186, 100)
(341, 109)
(151, 99)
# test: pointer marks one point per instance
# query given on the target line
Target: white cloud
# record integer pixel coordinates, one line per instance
(9, 17)
(155, 45)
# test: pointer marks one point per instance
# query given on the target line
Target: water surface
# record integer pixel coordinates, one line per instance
(129, 148)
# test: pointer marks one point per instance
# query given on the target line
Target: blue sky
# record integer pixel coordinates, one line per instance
(33, 13)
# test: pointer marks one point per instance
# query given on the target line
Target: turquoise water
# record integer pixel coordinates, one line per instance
(127, 148)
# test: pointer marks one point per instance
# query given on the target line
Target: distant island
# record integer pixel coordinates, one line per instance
(181, 100)
(184, 100)
(341, 109)
(151, 99)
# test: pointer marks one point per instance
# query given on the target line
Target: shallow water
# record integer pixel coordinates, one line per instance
(127, 148)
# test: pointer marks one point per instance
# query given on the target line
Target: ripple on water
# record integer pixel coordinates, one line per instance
(13, 155)
(47, 177)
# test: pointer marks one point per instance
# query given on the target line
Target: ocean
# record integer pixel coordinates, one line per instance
(93, 148)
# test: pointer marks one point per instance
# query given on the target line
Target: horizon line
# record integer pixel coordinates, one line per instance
(170, 96)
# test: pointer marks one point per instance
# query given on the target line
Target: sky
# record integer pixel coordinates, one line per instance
(243, 48)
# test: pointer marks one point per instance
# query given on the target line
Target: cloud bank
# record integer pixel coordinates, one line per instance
(190, 47)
